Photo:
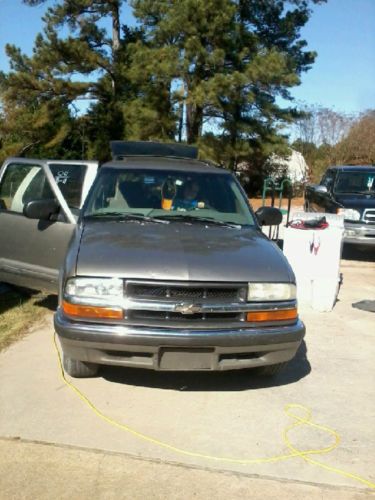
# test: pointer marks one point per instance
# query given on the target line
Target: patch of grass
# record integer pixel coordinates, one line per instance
(19, 311)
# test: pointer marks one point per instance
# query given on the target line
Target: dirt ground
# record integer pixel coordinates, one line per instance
(296, 204)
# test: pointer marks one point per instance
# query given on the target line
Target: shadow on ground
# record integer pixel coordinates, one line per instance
(235, 380)
(15, 297)
(47, 301)
(357, 253)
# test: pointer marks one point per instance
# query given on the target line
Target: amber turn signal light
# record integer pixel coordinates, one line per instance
(277, 315)
(92, 311)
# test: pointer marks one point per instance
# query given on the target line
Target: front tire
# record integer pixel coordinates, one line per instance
(272, 370)
(79, 369)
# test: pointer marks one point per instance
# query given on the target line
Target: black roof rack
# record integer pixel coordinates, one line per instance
(122, 149)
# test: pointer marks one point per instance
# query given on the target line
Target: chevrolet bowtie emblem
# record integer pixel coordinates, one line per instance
(188, 308)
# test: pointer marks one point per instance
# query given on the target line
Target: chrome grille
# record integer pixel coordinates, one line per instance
(179, 304)
(369, 215)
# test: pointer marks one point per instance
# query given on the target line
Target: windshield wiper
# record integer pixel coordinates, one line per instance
(121, 216)
(202, 220)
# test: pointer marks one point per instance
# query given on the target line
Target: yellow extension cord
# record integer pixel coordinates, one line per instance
(294, 452)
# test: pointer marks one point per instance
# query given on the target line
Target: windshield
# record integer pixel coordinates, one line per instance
(169, 195)
(356, 182)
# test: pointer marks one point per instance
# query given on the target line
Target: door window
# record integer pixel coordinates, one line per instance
(328, 179)
(70, 179)
(22, 183)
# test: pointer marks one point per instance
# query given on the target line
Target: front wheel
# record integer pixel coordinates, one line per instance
(271, 370)
(79, 369)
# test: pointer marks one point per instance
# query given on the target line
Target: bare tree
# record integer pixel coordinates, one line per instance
(305, 128)
(321, 125)
(318, 134)
(333, 126)
(358, 147)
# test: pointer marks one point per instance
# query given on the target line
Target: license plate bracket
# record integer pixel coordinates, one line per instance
(186, 359)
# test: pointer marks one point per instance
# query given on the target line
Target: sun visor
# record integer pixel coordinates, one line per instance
(122, 149)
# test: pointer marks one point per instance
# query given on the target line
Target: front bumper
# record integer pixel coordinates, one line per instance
(177, 349)
(359, 234)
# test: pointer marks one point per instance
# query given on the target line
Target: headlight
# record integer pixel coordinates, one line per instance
(271, 291)
(349, 213)
(93, 298)
(106, 290)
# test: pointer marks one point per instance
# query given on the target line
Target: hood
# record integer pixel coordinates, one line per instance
(356, 200)
(178, 251)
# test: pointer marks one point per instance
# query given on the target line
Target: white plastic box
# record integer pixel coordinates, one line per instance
(314, 255)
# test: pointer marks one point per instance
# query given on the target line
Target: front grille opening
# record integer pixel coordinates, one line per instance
(203, 293)
(240, 355)
(145, 291)
(129, 355)
(369, 216)
(188, 292)
(175, 316)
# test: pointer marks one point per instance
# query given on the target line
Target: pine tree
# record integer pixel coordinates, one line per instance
(234, 59)
(35, 118)
(204, 71)
(86, 64)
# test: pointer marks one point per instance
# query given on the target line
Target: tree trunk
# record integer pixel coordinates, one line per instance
(233, 155)
(194, 121)
(115, 8)
(180, 120)
(234, 136)
(115, 13)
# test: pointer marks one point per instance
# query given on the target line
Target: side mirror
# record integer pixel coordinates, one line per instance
(41, 209)
(318, 188)
(269, 216)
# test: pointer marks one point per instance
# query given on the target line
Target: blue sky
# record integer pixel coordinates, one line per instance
(341, 31)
